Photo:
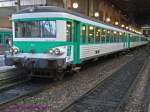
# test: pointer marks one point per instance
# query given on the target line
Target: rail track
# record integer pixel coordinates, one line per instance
(11, 77)
(109, 95)
(16, 83)
(25, 88)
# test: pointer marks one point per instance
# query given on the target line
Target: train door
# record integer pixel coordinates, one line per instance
(76, 41)
(128, 40)
(125, 40)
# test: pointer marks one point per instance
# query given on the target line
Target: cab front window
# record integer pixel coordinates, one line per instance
(35, 29)
(69, 31)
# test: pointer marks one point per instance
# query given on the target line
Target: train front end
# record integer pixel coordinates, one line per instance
(39, 43)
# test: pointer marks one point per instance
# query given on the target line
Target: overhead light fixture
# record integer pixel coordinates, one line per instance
(75, 5)
(127, 27)
(96, 14)
(108, 19)
(122, 25)
(116, 23)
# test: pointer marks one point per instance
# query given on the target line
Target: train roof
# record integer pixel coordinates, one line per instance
(39, 9)
(5, 30)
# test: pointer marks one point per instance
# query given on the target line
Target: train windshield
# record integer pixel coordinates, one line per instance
(35, 29)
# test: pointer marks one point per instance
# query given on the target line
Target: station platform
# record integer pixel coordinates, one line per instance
(3, 49)
(3, 67)
(2, 60)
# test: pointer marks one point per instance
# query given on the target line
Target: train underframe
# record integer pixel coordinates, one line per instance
(45, 68)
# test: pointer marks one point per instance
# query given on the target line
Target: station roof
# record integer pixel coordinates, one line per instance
(137, 10)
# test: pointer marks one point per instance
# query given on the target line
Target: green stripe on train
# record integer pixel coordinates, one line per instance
(38, 46)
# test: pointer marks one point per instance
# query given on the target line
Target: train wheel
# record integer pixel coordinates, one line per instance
(69, 71)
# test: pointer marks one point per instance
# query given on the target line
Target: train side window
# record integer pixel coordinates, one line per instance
(83, 34)
(91, 34)
(0, 39)
(123, 37)
(115, 36)
(69, 31)
(103, 36)
(98, 33)
(132, 38)
(108, 36)
(111, 36)
(120, 37)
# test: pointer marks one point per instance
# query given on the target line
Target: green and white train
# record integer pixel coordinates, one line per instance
(54, 39)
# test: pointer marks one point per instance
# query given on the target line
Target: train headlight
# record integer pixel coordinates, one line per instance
(51, 51)
(11, 50)
(16, 50)
(57, 51)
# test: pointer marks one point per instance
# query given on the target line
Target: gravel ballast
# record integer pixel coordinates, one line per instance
(138, 98)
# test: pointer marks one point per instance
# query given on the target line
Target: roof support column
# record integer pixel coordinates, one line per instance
(91, 7)
(18, 6)
(65, 4)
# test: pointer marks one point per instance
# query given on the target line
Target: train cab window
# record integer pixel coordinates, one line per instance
(91, 34)
(35, 29)
(98, 33)
(69, 31)
(48, 29)
(83, 34)
(103, 36)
